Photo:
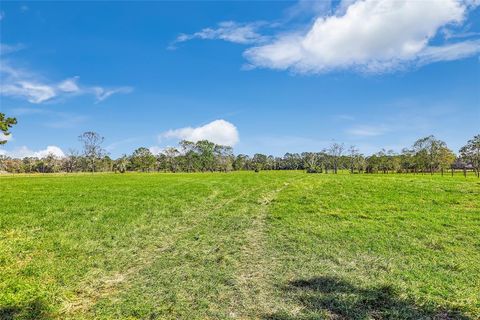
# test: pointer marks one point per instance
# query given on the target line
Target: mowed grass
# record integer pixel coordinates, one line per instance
(273, 245)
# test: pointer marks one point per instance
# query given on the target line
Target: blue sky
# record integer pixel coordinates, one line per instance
(281, 76)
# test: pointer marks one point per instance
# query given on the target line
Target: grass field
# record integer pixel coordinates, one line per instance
(273, 245)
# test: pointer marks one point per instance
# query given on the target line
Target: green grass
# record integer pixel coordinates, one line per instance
(274, 245)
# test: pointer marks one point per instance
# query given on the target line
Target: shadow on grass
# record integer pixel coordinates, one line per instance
(35, 310)
(333, 298)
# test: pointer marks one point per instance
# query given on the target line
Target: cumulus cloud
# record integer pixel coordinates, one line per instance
(231, 31)
(22, 152)
(219, 131)
(369, 36)
(27, 85)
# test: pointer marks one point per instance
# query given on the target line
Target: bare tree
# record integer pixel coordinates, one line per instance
(353, 153)
(335, 151)
(92, 147)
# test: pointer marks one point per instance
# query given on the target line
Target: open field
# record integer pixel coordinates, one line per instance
(273, 245)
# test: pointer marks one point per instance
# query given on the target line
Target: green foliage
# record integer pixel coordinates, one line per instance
(470, 153)
(142, 159)
(5, 125)
(273, 245)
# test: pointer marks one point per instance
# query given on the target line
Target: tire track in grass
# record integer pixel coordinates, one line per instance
(254, 294)
(95, 289)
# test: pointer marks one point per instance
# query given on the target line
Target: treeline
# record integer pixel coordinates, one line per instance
(426, 155)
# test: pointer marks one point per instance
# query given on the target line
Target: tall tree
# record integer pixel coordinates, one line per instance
(171, 161)
(470, 153)
(224, 158)
(310, 161)
(143, 159)
(189, 154)
(240, 162)
(428, 151)
(353, 155)
(206, 153)
(259, 161)
(92, 147)
(5, 125)
(71, 161)
(335, 151)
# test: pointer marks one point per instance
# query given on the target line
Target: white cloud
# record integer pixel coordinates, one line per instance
(31, 91)
(231, 31)
(449, 52)
(219, 131)
(23, 84)
(69, 85)
(22, 152)
(102, 93)
(368, 36)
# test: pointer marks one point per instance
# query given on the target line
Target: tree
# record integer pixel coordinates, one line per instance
(224, 158)
(5, 125)
(428, 151)
(71, 161)
(310, 161)
(190, 155)
(143, 159)
(170, 159)
(353, 155)
(335, 151)
(121, 164)
(92, 147)
(259, 161)
(470, 153)
(292, 161)
(446, 158)
(240, 162)
(206, 153)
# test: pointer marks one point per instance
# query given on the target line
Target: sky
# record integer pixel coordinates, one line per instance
(269, 77)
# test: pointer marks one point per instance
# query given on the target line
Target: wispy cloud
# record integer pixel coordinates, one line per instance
(231, 31)
(103, 93)
(34, 88)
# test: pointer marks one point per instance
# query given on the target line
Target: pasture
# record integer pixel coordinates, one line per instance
(241, 245)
